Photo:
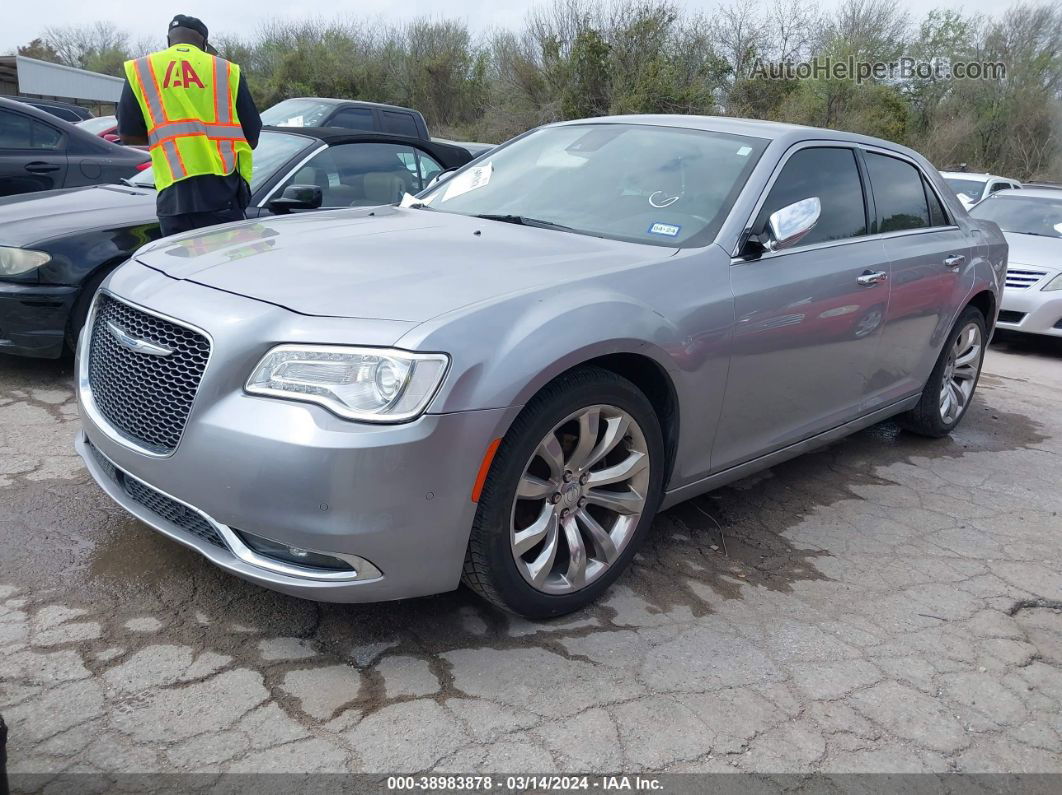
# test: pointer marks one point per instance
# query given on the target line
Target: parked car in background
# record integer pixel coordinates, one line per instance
(57, 246)
(1031, 220)
(40, 152)
(105, 127)
(972, 188)
(61, 110)
(502, 380)
(349, 114)
(474, 148)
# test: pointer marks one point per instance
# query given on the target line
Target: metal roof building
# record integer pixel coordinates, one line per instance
(29, 77)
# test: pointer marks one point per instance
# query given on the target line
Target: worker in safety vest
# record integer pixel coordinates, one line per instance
(195, 113)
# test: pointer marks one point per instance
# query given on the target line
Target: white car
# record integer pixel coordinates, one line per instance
(972, 188)
(1031, 220)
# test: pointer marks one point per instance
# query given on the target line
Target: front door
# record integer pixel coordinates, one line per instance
(808, 318)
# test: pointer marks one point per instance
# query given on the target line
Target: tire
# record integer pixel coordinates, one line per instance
(497, 566)
(929, 417)
(79, 314)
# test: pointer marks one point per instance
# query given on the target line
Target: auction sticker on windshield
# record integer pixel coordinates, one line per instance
(472, 179)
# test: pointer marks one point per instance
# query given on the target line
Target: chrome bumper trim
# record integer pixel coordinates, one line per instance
(363, 570)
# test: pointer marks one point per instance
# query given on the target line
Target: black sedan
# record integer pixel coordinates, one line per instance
(40, 152)
(57, 247)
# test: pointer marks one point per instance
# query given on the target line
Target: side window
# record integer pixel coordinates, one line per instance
(428, 168)
(831, 174)
(15, 131)
(44, 135)
(898, 194)
(999, 186)
(938, 216)
(400, 124)
(354, 119)
(362, 174)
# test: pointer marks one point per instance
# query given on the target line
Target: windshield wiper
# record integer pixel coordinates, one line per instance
(523, 220)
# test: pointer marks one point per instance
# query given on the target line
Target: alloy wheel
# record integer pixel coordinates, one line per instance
(960, 373)
(579, 499)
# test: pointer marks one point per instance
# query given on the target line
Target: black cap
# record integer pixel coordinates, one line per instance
(181, 21)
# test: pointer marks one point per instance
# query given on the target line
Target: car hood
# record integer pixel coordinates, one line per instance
(1034, 250)
(386, 263)
(31, 218)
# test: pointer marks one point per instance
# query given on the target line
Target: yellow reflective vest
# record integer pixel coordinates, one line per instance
(188, 98)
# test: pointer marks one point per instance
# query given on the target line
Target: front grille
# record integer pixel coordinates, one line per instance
(157, 502)
(1010, 316)
(145, 398)
(1022, 278)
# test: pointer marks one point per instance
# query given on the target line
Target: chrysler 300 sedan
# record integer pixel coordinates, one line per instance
(500, 381)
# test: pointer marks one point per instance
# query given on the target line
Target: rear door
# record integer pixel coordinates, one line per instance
(808, 319)
(928, 255)
(32, 155)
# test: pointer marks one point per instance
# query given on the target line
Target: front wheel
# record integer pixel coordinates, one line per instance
(951, 385)
(570, 495)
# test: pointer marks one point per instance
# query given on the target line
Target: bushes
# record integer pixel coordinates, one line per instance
(575, 58)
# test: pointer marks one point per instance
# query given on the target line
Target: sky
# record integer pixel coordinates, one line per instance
(23, 21)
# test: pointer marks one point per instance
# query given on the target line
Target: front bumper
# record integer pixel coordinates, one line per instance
(1035, 311)
(33, 318)
(397, 505)
(394, 499)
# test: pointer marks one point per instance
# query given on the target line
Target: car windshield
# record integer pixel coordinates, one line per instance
(98, 125)
(297, 113)
(1024, 215)
(648, 184)
(971, 188)
(274, 150)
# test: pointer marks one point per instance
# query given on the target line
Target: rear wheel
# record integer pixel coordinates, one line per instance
(950, 387)
(570, 495)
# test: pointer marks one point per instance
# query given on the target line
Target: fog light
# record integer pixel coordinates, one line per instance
(294, 555)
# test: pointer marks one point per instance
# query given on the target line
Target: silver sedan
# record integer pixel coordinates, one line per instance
(1031, 220)
(502, 380)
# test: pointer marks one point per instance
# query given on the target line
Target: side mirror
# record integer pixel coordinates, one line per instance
(442, 176)
(789, 225)
(298, 197)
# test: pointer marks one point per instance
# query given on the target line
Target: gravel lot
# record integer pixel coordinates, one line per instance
(882, 605)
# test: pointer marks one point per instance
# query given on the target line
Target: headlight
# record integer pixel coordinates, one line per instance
(368, 384)
(17, 261)
(1054, 284)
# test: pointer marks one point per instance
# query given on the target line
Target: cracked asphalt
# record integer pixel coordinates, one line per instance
(889, 604)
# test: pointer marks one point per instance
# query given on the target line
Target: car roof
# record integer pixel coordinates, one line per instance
(975, 176)
(1031, 193)
(25, 107)
(786, 134)
(340, 135)
(335, 101)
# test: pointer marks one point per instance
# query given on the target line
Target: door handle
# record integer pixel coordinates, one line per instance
(954, 260)
(869, 279)
(39, 167)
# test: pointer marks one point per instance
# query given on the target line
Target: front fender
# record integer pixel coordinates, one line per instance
(504, 354)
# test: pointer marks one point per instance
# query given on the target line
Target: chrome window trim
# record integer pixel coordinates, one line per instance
(292, 172)
(736, 259)
(238, 548)
(85, 389)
